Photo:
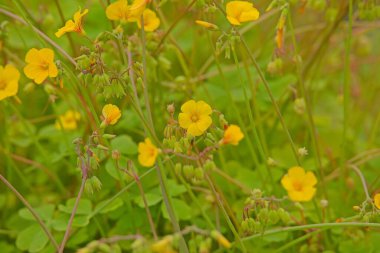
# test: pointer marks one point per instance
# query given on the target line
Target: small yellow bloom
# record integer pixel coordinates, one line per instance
(195, 117)
(241, 11)
(299, 184)
(120, 10)
(40, 64)
(73, 26)
(164, 245)
(68, 121)
(151, 21)
(111, 114)
(147, 153)
(221, 239)
(206, 24)
(376, 199)
(232, 135)
(9, 77)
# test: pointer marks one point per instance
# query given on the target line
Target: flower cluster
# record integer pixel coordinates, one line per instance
(135, 12)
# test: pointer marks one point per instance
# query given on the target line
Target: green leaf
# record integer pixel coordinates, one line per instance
(60, 224)
(181, 210)
(115, 204)
(45, 212)
(84, 206)
(151, 199)
(124, 144)
(32, 238)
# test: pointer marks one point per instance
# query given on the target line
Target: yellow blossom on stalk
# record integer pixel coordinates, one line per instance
(241, 11)
(68, 121)
(232, 135)
(9, 77)
(151, 21)
(299, 184)
(221, 239)
(206, 24)
(376, 199)
(111, 114)
(73, 25)
(164, 245)
(40, 64)
(122, 11)
(195, 117)
(147, 153)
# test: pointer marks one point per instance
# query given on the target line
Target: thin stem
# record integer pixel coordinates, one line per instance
(346, 85)
(298, 240)
(362, 179)
(312, 226)
(69, 37)
(151, 223)
(169, 207)
(30, 208)
(67, 233)
(44, 36)
(229, 222)
(267, 88)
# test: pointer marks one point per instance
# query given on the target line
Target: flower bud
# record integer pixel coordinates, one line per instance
(198, 173)
(284, 216)
(324, 203)
(188, 171)
(178, 169)
(109, 136)
(220, 239)
(299, 106)
(263, 215)
(273, 217)
(96, 184)
(171, 109)
(29, 87)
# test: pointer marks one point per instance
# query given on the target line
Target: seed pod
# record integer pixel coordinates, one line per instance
(273, 217)
(198, 173)
(178, 169)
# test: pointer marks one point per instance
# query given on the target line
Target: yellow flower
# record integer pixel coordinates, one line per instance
(299, 184)
(120, 10)
(241, 11)
(9, 77)
(195, 117)
(73, 26)
(68, 121)
(151, 21)
(232, 135)
(111, 114)
(164, 245)
(40, 64)
(147, 153)
(221, 239)
(376, 199)
(206, 24)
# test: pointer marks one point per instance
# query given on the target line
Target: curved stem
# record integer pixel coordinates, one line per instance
(39, 32)
(30, 208)
(67, 233)
(312, 226)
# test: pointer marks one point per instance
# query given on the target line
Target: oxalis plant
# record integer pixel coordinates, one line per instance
(189, 126)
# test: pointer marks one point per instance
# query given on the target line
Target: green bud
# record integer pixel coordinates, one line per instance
(198, 173)
(29, 87)
(178, 169)
(96, 184)
(284, 216)
(109, 136)
(88, 188)
(263, 215)
(188, 171)
(164, 63)
(49, 89)
(209, 165)
(273, 217)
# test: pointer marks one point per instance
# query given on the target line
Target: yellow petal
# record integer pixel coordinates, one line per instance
(249, 15)
(53, 71)
(69, 27)
(189, 106)
(194, 130)
(310, 179)
(204, 122)
(32, 55)
(203, 108)
(376, 199)
(184, 120)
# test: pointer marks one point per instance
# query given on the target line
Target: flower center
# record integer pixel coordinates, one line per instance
(3, 84)
(297, 185)
(194, 117)
(44, 65)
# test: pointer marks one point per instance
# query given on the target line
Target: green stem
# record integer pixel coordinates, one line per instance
(30, 208)
(169, 207)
